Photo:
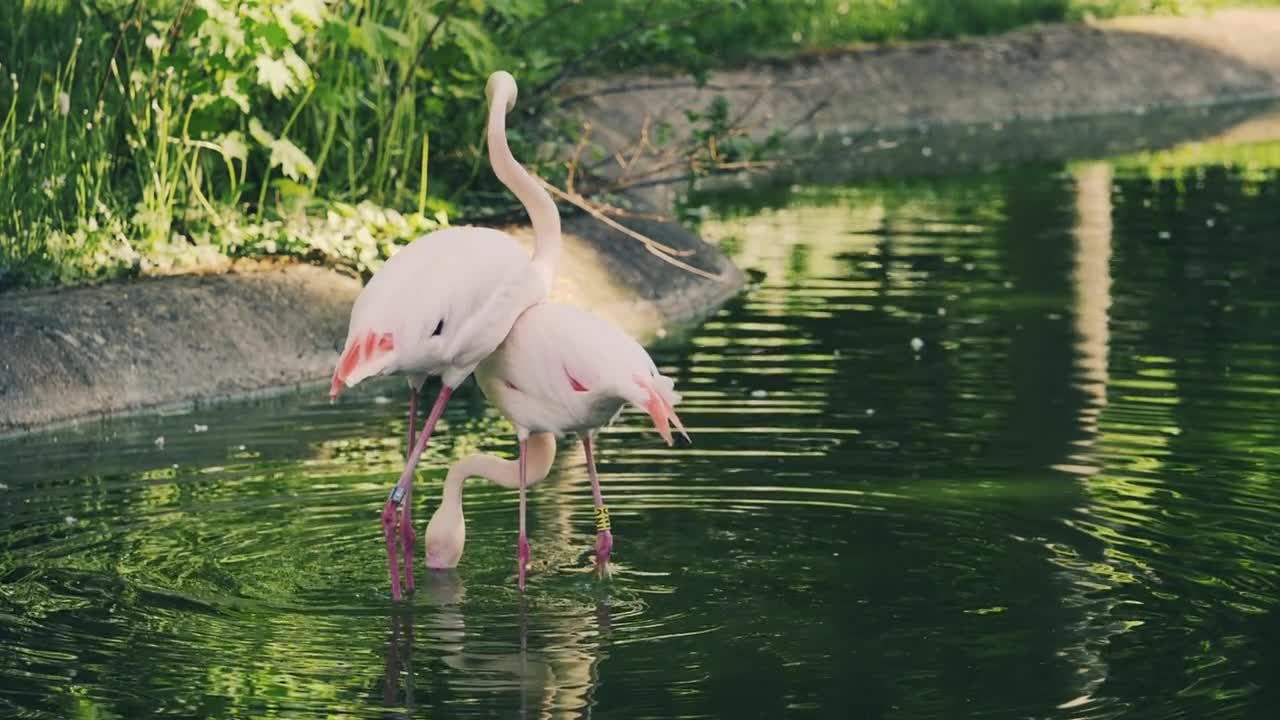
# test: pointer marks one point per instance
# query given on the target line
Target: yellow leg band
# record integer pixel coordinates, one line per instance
(602, 519)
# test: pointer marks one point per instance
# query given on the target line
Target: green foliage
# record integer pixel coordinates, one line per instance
(135, 133)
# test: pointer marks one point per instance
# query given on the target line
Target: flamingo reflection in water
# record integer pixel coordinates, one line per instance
(560, 671)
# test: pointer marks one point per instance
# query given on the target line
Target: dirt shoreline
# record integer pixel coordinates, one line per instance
(829, 103)
(79, 353)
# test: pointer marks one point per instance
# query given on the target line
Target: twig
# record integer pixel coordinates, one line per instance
(106, 72)
(665, 253)
(577, 155)
(586, 206)
(543, 18)
(817, 108)
(426, 45)
(640, 146)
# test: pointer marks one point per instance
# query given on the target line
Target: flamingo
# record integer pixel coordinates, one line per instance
(442, 304)
(561, 370)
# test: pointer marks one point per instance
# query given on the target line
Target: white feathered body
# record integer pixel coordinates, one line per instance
(562, 370)
(469, 283)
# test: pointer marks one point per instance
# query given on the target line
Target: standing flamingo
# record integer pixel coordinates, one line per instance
(560, 370)
(443, 303)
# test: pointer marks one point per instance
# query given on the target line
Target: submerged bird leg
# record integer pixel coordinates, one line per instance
(413, 420)
(604, 529)
(403, 490)
(522, 545)
(408, 536)
(389, 517)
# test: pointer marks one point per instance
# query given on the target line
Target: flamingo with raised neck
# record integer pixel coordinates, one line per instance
(442, 304)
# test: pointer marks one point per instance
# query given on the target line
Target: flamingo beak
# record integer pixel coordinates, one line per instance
(675, 420)
(335, 389)
(658, 411)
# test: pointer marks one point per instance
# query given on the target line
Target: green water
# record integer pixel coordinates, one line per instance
(1062, 502)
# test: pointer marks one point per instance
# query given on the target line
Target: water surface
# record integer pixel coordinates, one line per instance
(998, 446)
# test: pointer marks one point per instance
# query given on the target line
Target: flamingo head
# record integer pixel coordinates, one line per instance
(656, 395)
(501, 80)
(446, 536)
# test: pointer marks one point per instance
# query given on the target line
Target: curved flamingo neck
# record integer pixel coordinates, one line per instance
(537, 202)
(505, 473)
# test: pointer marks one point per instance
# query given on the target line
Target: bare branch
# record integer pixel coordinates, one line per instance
(577, 156)
(595, 212)
(524, 31)
(426, 45)
(666, 253)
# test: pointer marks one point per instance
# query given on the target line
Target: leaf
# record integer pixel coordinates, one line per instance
(312, 10)
(297, 66)
(204, 100)
(381, 41)
(474, 41)
(231, 91)
(284, 20)
(275, 75)
(292, 161)
(232, 144)
(221, 27)
(259, 133)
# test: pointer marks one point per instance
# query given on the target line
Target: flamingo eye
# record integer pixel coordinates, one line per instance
(439, 329)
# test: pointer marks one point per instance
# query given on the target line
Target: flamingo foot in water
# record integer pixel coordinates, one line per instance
(389, 532)
(408, 541)
(604, 547)
(522, 561)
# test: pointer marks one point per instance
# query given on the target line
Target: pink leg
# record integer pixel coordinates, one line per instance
(409, 536)
(413, 419)
(404, 487)
(522, 545)
(389, 533)
(604, 532)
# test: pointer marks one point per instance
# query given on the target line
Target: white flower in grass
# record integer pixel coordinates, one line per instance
(154, 43)
(64, 103)
(233, 145)
(275, 75)
(292, 161)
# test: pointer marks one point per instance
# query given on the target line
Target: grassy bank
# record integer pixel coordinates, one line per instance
(155, 136)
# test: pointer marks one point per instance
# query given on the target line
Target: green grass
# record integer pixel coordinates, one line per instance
(148, 136)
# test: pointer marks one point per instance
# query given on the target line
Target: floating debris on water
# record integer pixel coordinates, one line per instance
(917, 344)
(3, 486)
(942, 312)
(381, 400)
(159, 442)
(871, 411)
(70, 520)
(759, 393)
(1164, 234)
(199, 428)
